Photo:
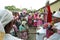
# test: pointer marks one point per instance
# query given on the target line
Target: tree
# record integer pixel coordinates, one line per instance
(12, 8)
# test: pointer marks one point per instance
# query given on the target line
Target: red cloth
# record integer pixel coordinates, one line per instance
(49, 19)
(29, 20)
(49, 16)
(35, 24)
(35, 17)
(48, 33)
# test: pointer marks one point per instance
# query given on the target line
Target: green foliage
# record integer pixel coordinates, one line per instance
(12, 8)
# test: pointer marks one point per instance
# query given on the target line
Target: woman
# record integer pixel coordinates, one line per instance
(35, 17)
(6, 19)
(39, 22)
(23, 32)
(30, 20)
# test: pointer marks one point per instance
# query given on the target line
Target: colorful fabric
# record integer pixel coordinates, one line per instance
(29, 20)
(49, 16)
(21, 28)
(15, 28)
(39, 22)
(49, 33)
(23, 35)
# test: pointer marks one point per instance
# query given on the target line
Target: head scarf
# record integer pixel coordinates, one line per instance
(57, 14)
(5, 17)
(1, 28)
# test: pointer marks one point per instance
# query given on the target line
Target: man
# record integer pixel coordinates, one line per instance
(6, 19)
(56, 36)
(23, 14)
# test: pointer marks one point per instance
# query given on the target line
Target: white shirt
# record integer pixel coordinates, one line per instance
(10, 37)
(55, 36)
(1, 28)
(41, 30)
(57, 25)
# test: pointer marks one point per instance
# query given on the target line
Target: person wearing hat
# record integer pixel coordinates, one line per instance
(56, 35)
(6, 19)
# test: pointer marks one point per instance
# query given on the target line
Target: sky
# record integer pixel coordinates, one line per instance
(29, 4)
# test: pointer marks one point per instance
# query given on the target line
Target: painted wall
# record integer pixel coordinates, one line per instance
(55, 6)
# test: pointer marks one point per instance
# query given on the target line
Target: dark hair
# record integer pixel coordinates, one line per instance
(54, 11)
(59, 9)
(8, 28)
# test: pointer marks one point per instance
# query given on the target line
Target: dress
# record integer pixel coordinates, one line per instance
(30, 21)
(23, 32)
(35, 20)
(39, 22)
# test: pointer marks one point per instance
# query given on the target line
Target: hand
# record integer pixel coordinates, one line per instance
(45, 25)
(53, 27)
(58, 31)
(47, 3)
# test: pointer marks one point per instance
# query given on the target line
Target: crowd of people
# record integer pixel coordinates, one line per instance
(15, 25)
(24, 21)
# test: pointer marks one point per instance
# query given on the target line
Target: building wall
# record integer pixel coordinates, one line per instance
(55, 6)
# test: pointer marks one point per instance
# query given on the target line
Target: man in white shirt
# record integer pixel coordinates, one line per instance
(6, 19)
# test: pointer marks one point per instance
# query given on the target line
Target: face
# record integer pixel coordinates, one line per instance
(8, 27)
(56, 19)
(24, 11)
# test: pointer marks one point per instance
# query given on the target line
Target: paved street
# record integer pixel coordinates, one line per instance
(32, 36)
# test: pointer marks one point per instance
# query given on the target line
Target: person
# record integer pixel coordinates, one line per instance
(24, 12)
(56, 35)
(16, 19)
(39, 22)
(23, 32)
(42, 33)
(22, 28)
(30, 20)
(6, 19)
(48, 18)
(35, 17)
